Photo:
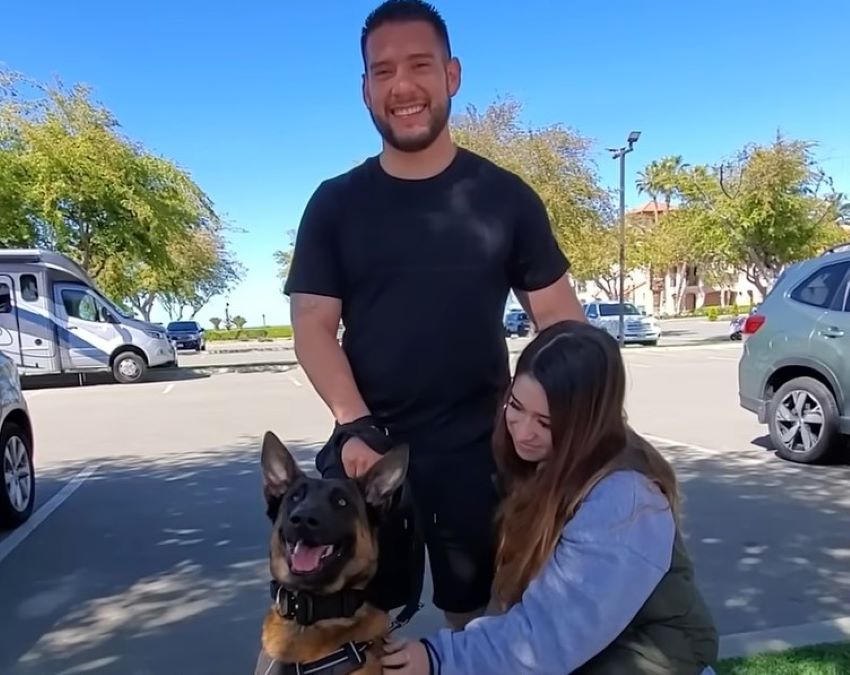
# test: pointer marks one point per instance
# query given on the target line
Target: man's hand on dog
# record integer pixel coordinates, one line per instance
(405, 657)
(357, 457)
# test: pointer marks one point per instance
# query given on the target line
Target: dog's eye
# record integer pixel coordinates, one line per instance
(341, 502)
(298, 495)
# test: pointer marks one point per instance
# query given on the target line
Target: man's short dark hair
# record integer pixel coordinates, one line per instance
(400, 11)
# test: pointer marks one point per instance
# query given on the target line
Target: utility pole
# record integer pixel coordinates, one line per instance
(620, 153)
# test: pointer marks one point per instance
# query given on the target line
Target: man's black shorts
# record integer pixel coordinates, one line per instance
(457, 500)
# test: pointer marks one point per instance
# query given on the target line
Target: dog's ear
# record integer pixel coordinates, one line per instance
(279, 467)
(386, 475)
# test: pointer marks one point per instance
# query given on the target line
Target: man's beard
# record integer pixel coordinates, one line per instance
(439, 119)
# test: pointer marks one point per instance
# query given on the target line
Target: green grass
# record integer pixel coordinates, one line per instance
(267, 333)
(829, 659)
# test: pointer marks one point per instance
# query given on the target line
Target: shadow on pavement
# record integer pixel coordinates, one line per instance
(73, 380)
(154, 565)
(772, 545)
(159, 564)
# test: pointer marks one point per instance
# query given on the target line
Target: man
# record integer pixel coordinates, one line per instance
(416, 251)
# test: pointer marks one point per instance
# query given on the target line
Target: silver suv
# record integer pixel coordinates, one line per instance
(17, 490)
(794, 373)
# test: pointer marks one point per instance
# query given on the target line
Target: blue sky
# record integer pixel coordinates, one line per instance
(261, 101)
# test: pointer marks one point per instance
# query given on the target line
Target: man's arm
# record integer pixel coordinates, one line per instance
(315, 322)
(539, 269)
(551, 304)
(315, 286)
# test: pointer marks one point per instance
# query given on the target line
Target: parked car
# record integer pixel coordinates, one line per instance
(17, 489)
(638, 327)
(794, 372)
(54, 319)
(187, 335)
(517, 323)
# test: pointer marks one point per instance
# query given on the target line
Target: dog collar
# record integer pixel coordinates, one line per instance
(345, 660)
(307, 608)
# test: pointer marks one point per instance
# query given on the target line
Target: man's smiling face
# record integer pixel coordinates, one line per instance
(409, 82)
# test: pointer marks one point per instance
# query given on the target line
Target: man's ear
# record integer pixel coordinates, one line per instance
(453, 76)
(364, 90)
(279, 467)
(386, 476)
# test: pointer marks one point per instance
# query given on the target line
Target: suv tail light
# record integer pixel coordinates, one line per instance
(752, 323)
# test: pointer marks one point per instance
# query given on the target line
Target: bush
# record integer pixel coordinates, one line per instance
(712, 313)
(268, 333)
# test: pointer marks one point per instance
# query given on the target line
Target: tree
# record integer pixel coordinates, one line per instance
(239, 322)
(283, 260)
(69, 181)
(765, 208)
(213, 272)
(555, 162)
(216, 322)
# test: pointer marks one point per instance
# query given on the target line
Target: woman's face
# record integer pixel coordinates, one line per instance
(527, 419)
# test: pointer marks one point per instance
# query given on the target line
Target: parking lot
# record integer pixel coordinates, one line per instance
(148, 552)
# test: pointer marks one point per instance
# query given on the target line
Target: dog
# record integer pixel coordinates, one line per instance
(323, 554)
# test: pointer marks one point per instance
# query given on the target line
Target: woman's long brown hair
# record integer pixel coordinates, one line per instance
(580, 368)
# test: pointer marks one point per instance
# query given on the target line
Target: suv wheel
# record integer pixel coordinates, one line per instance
(803, 420)
(17, 491)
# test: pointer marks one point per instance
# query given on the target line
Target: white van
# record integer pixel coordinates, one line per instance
(53, 319)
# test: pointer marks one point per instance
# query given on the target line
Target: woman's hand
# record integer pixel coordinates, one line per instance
(406, 657)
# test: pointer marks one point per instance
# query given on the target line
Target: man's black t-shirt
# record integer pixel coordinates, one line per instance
(423, 269)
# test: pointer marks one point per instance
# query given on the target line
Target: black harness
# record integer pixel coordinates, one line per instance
(344, 661)
(306, 609)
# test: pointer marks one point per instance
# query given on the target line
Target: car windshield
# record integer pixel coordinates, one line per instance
(182, 325)
(614, 309)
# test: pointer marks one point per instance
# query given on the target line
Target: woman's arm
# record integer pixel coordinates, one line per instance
(610, 558)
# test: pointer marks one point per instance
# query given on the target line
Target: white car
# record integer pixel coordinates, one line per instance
(639, 328)
(17, 490)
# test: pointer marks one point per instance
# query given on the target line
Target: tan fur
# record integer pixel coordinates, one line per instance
(288, 642)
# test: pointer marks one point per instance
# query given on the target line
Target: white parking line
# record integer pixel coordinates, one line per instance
(17, 536)
(675, 349)
(293, 379)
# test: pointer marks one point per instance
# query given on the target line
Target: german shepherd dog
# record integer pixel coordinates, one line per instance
(323, 554)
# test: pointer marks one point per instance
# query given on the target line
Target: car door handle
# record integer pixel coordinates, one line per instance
(832, 332)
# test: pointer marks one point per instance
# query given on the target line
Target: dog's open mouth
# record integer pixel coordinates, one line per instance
(307, 559)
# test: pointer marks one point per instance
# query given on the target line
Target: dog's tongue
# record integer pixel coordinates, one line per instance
(307, 558)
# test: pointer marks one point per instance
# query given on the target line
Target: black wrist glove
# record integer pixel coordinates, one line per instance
(367, 430)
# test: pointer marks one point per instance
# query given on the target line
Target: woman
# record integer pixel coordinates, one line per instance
(591, 573)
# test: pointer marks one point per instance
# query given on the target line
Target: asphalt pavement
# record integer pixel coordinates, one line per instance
(148, 551)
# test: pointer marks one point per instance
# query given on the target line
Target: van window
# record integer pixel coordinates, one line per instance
(5, 298)
(29, 288)
(80, 305)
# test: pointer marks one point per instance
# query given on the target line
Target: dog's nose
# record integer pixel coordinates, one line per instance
(304, 520)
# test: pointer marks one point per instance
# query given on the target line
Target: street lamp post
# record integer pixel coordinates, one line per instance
(620, 153)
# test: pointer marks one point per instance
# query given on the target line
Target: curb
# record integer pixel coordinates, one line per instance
(784, 637)
(253, 348)
(259, 367)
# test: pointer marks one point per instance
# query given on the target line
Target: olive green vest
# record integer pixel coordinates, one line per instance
(672, 634)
